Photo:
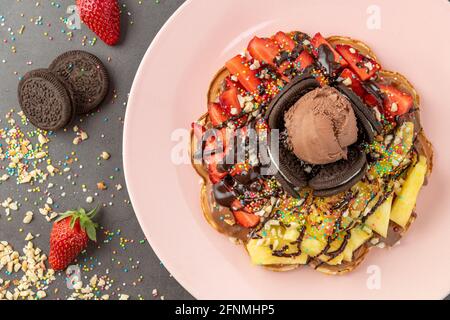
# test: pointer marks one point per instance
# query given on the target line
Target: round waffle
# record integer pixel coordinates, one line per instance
(422, 145)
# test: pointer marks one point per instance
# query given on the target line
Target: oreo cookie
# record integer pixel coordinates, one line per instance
(45, 100)
(341, 175)
(292, 167)
(344, 187)
(85, 76)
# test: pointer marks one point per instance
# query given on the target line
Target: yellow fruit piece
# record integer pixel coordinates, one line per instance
(393, 158)
(357, 237)
(335, 245)
(291, 235)
(311, 246)
(364, 192)
(262, 255)
(379, 220)
(406, 200)
(336, 260)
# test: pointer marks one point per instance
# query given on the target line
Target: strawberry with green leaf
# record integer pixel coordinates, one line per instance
(70, 235)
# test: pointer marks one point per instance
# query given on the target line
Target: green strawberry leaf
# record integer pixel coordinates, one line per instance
(64, 215)
(85, 221)
(90, 230)
(72, 221)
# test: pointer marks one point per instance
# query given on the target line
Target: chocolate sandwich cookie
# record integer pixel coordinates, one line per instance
(292, 167)
(85, 75)
(45, 100)
(339, 176)
(344, 187)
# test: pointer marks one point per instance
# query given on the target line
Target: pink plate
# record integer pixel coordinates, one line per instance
(169, 92)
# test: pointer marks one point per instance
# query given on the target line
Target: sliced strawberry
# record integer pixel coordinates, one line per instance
(240, 168)
(245, 219)
(217, 114)
(318, 40)
(303, 61)
(236, 205)
(238, 67)
(350, 79)
(284, 41)
(215, 175)
(229, 83)
(396, 102)
(362, 65)
(265, 50)
(230, 102)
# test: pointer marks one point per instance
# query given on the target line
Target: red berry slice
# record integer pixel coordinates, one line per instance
(245, 219)
(217, 114)
(215, 175)
(362, 65)
(351, 80)
(230, 102)
(264, 50)
(396, 102)
(303, 61)
(284, 41)
(318, 40)
(238, 66)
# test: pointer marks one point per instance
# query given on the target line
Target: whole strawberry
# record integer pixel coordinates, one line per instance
(70, 235)
(102, 17)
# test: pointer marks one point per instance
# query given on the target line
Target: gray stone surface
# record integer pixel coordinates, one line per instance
(105, 134)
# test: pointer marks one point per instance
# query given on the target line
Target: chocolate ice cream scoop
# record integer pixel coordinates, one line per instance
(320, 126)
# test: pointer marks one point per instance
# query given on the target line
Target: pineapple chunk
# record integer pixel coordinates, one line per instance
(311, 246)
(403, 142)
(357, 237)
(405, 202)
(262, 255)
(335, 245)
(336, 260)
(278, 237)
(364, 193)
(291, 235)
(379, 220)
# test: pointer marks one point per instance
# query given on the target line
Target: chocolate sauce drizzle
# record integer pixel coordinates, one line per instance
(327, 60)
(298, 243)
